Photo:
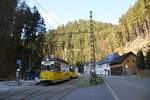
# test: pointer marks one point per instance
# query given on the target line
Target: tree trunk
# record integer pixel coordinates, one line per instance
(148, 26)
(135, 31)
(139, 29)
(127, 31)
(145, 29)
(7, 61)
(30, 62)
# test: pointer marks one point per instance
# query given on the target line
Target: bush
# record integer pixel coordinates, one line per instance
(95, 79)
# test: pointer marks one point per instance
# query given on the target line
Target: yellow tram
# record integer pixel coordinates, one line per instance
(73, 72)
(56, 69)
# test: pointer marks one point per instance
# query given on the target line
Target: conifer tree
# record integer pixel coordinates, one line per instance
(148, 59)
(140, 62)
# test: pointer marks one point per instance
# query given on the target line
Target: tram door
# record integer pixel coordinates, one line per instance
(57, 71)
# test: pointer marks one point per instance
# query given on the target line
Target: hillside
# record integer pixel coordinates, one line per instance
(139, 43)
(71, 41)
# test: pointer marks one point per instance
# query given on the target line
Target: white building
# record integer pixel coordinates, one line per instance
(103, 69)
(87, 68)
(103, 66)
(100, 69)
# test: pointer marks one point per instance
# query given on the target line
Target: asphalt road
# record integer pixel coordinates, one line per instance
(128, 88)
(114, 88)
(98, 92)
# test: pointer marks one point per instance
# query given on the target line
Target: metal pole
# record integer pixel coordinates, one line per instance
(18, 74)
(18, 77)
(92, 43)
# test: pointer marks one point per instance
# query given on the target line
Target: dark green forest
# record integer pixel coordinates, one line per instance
(71, 41)
(21, 37)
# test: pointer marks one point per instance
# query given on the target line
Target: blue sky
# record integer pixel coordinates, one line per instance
(69, 10)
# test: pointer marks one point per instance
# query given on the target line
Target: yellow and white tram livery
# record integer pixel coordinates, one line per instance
(54, 70)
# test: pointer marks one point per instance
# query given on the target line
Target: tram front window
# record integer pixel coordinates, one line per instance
(53, 67)
(47, 68)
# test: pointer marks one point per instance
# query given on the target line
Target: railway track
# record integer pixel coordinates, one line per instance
(58, 91)
(51, 92)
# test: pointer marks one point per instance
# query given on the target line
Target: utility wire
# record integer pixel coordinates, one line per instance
(46, 12)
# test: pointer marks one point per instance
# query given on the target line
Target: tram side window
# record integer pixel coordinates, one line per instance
(65, 69)
(51, 68)
(57, 68)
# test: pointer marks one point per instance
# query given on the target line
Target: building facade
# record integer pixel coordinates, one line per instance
(124, 65)
(103, 66)
(87, 68)
(103, 69)
(114, 64)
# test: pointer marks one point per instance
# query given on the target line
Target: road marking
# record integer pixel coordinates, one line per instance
(112, 92)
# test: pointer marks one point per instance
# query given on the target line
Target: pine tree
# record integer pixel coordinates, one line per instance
(7, 15)
(148, 59)
(140, 62)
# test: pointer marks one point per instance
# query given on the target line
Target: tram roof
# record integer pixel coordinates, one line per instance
(56, 60)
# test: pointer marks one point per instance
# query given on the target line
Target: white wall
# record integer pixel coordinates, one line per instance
(87, 69)
(102, 69)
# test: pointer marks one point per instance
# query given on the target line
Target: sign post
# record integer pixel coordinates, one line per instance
(18, 72)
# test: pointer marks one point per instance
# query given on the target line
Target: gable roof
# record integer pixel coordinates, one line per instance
(121, 58)
(109, 58)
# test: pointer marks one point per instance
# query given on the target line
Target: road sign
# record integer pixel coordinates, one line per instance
(18, 62)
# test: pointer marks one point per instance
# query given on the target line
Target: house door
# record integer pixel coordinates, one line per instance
(117, 71)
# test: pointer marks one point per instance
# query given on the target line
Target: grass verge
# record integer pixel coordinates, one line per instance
(144, 76)
(85, 82)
